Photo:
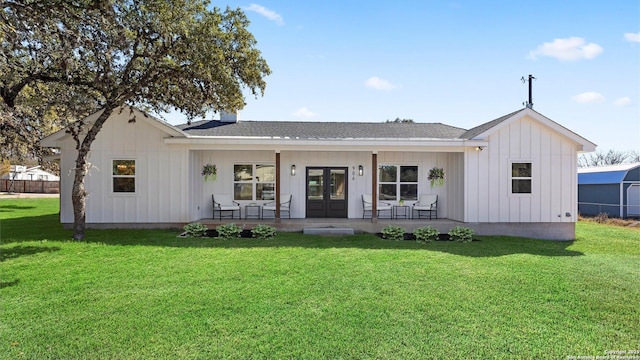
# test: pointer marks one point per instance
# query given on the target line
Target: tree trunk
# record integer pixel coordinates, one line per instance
(78, 193)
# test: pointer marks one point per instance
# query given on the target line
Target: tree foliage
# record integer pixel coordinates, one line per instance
(400, 121)
(611, 157)
(83, 55)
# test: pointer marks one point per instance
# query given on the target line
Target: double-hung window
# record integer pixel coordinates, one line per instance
(521, 177)
(397, 182)
(254, 181)
(124, 176)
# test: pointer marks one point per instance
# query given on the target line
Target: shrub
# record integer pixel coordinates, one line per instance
(263, 232)
(195, 229)
(393, 232)
(462, 234)
(426, 234)
(228, 231)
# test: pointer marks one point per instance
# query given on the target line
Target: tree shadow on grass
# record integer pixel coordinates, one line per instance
(30, 228)
(494, 246)
(486, 247)
(4, 284)
(48, 227)
(8, 208)
(19, 250)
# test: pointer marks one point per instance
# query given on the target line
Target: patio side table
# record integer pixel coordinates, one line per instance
(401, 211)
(252, 211)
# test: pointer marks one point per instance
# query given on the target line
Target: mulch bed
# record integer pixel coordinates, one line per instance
(213, 233)
(411, 237)
(243, 234)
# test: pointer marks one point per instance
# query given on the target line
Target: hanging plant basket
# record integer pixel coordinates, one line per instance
(210, 172)
(436, 176)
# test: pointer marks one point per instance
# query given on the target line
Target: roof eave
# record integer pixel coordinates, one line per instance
(358, 144)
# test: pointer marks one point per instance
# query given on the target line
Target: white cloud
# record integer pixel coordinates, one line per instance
(623, 101)
(304, 113)
(569, 49)
(269, 14)
(375, 82)
(589, 97)
(632, 37)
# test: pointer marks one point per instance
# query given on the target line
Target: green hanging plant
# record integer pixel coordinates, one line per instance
(436, 176)
(210, 172)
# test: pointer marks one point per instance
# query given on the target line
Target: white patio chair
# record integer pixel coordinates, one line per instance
(225, 203)
(367, 206)
(285, 206)
(426, 202)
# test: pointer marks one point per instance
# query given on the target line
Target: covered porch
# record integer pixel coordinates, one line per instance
(328, 186)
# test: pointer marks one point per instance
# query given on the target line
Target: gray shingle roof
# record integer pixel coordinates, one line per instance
(471, 133)
(322, 130)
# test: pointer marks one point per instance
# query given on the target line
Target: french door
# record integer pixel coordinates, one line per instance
(326, 192)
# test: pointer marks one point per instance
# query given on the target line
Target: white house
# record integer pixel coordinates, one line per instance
(21, 172)
(515, 175)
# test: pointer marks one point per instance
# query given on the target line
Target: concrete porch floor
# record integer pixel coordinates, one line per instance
(358, 225)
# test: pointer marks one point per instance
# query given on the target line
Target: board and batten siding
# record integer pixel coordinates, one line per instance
(425, 161)
(554, 183)
(454, 188)
(161, 173)
(224, 161)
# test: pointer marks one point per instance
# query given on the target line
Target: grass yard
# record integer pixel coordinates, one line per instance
(140, 294)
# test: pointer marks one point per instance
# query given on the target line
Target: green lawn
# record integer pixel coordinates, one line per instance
(140, 294)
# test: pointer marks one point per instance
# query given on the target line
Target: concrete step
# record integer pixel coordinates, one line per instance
(328, 231)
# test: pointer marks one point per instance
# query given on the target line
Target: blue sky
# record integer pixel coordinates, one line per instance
(454, 62)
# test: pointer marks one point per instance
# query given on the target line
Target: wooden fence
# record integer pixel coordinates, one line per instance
(30, 186)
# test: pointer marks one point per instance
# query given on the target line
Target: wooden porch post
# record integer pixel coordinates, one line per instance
(277, 199)
(374, 187)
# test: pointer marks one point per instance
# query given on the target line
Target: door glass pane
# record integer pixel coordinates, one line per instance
(315, 184)
(337, 184)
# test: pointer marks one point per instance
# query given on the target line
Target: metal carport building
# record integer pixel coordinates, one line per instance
(614, 190)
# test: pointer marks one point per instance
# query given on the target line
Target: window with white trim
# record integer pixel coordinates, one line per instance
(124, 176)
(521, 177)
(254, 181)
(397, 182)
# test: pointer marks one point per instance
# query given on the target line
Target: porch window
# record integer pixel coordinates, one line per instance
(521, 178)
(254, 181)
(397, 182)
(124, 176)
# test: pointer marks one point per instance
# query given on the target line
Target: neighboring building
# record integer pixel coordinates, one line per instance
(22, 179)
(612, 190)
(515, 175)
(21, 172)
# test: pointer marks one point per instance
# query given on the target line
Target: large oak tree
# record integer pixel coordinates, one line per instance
(103, 54)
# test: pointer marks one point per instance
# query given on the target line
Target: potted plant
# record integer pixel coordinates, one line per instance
(401, 202)
(436, 176)
(210, 172)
